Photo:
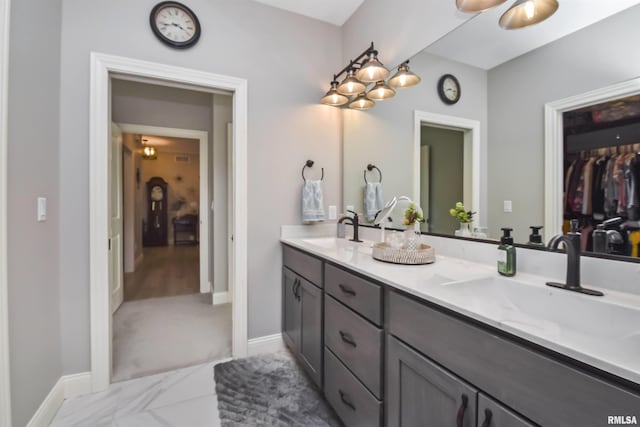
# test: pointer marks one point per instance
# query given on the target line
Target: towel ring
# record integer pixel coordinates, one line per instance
(308, 164)
(371, 167)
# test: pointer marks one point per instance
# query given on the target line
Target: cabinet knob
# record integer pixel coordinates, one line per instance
(461, 410)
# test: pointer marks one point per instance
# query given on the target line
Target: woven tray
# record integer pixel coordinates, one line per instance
(425, 254)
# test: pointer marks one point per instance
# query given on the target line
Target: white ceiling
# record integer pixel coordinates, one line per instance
(482, 43)
(335, 12)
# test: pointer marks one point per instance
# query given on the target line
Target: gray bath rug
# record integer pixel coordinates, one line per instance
(269, 390)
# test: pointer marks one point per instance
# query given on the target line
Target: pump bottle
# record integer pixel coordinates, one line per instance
(506, 254)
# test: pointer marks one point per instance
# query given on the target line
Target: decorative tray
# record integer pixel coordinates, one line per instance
(425, 254)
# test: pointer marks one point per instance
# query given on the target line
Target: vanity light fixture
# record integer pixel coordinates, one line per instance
(380, 92)
(363, 72)
(333, 97)
(524, 13)
(474, 6)
(361, 103)
(404, 77)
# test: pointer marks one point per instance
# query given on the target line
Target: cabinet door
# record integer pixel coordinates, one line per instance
(311, 329)
(290, 309)
(420, 393)
(493, 414)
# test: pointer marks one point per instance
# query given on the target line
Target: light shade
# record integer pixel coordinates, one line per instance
(474, 6)
(361, 103)
(404, 77)
(350, 85)
(149, 153)
(334, 98)
(527, 12)
(372, 70)
(380, 92)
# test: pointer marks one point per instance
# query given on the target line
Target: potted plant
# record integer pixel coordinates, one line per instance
(465, 217)
(412, 219)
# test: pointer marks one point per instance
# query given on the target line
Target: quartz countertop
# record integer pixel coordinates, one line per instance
(552, 318)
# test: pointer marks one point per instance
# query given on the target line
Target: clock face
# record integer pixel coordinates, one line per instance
(175, 24)
(449, 89)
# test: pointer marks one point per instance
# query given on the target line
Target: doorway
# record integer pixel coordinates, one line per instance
(104, 68)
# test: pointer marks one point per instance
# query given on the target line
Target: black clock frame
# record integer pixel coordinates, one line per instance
(441, 93)
(174, 44)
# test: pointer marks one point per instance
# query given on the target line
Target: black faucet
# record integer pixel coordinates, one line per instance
(571, 242)
(355, 221)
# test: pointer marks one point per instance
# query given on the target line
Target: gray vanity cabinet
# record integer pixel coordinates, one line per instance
(421, 394)
(302, 310)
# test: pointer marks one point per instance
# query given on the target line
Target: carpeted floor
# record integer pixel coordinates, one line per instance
(269, 390)
(161, 334)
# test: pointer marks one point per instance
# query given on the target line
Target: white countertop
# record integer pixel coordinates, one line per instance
(603, 332)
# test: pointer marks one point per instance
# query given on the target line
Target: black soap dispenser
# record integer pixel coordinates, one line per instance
(506, 254)
(535, 239)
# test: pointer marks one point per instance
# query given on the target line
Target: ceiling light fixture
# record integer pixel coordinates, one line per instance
(364, 71)
(361, 103)
(404, 77)
(524, 13)
(333, 97)
(149, 153)
(380, 92)
(474, 6)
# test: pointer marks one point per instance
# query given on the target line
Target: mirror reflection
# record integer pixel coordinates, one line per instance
(487, 150)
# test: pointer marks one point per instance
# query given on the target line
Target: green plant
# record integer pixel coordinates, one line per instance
(461, 213)
(412, 215)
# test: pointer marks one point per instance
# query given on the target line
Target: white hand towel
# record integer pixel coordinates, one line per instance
(373, 199)
(312, 201)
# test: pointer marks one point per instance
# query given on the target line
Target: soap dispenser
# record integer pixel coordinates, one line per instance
(506, 254)
(535, 239)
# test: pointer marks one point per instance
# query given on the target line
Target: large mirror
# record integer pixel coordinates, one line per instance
(488, 149)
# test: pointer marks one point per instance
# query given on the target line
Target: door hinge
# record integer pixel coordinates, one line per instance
(109, 244)
(232, 237)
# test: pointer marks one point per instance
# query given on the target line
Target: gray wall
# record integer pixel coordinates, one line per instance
(446, 163)
(286, 58)
(384, 136)
(33, 135)
(597, 56)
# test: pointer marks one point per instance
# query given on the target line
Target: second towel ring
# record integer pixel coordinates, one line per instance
(308, 164)
(371, 167)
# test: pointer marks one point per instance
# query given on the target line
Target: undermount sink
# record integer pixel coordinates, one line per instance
(541, 310)
(334, 243)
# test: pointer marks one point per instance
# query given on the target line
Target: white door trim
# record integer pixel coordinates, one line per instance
(554, 146)
(5, 384)
(102, 68)
(203, 137)
(471, 162)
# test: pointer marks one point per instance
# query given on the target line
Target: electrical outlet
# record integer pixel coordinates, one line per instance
(42, 209)
(333, 212)
(508, 206)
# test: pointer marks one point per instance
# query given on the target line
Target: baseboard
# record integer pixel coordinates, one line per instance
(221, 297)
(66, 387)
(267, 344)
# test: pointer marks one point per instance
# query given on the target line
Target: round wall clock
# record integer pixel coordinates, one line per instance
(449, 89)
(175, 24)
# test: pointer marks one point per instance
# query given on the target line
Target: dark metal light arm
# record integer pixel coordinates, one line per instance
(355, 61)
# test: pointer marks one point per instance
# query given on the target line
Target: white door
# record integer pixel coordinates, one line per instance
(230, 193)
(116, 274)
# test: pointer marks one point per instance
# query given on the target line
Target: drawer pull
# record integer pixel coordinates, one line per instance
(461, 410)
(347, 338)
(347, 290)
(487, 418)
(345, 400)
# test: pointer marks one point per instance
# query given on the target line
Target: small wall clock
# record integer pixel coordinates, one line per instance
(175, 24)
(449, 89)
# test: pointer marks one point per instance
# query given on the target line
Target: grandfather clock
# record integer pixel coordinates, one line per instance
(157, 204)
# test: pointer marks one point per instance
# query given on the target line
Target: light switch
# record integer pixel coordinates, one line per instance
(333, 213)
(42, 209)
(508, 206)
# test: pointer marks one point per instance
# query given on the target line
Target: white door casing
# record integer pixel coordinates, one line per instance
(128, 205)
(5, 386)
(203, 212)
(103, 67)
(116, 228)
(230, 280)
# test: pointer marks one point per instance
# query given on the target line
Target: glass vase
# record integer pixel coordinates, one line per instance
(411, 237)
(464, 230)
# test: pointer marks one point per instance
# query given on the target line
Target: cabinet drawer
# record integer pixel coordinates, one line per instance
(356, 342)
(351, 400)
(305, 265)
(359, 294)
(538, 386)
(493, 414)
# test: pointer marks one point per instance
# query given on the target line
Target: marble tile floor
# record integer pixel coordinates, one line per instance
(180, 398)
